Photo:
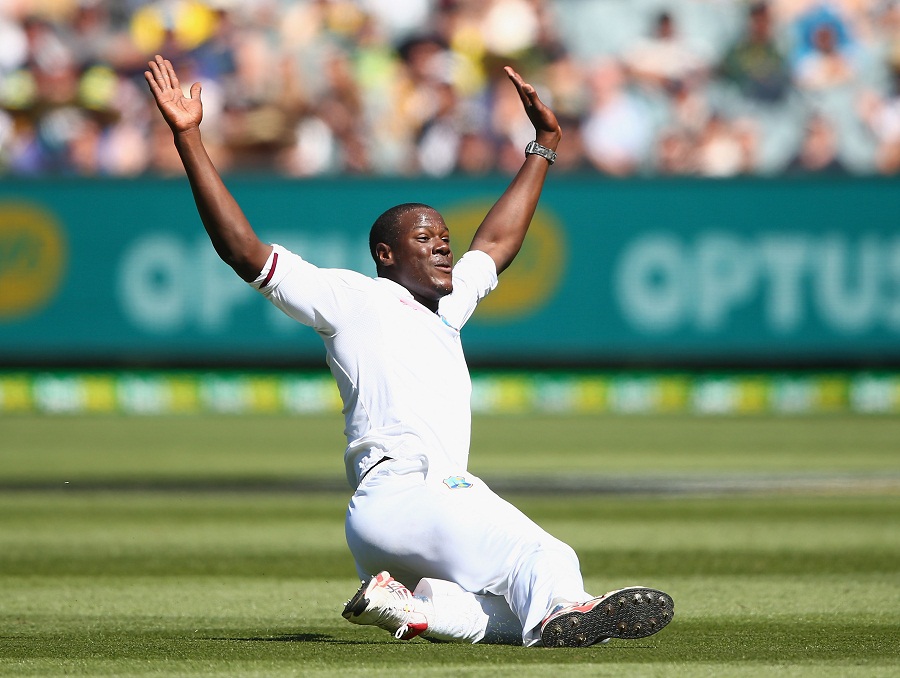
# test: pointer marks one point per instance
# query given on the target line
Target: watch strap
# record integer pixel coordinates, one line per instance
(534, 148)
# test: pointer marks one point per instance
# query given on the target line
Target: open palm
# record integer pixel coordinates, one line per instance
(180, 112)
(543, 119)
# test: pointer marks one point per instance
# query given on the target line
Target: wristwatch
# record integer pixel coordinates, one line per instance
(534, 148)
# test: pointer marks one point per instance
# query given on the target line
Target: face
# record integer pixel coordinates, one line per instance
(421, 260)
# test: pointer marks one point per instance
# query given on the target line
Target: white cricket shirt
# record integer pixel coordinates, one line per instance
(399, 367)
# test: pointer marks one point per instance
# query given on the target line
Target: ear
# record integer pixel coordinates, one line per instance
(384, 254)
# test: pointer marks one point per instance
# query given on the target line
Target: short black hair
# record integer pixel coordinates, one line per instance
(386, 228)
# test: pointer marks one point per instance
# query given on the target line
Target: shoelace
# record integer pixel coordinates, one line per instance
(388, 616)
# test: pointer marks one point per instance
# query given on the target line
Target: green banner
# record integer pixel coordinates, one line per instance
(612, 271)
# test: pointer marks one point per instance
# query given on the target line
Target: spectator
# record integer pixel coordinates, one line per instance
(617, 129)
(382, 87)
(826, 61)
(725, 148)
(676, 153)
(665, 56)
(881, 113)
(437, 148)
(755, 64)
(818, 152)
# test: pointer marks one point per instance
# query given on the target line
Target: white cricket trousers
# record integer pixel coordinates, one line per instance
(406, 519)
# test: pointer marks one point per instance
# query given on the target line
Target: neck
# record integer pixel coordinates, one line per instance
(430, 304)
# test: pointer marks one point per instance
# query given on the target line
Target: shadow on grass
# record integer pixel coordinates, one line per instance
(685, 641)
(300, 638)
(851, 640)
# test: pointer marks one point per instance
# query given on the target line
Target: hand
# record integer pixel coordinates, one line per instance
(546, 126)
(180, 112)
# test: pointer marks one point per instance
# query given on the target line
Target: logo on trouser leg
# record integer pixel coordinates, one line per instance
(457, 483)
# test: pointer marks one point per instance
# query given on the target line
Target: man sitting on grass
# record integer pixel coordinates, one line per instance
(484, 571)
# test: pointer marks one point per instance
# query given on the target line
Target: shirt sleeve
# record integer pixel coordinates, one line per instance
(322, 298)
(474, 276)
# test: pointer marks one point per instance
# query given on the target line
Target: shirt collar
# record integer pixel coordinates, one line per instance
(402, 293)
(395, 288)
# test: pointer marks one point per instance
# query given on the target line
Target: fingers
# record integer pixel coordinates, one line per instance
(154, 88)
(152, 75)
(154, 79)
(540, 115)
(161, 74)
(527, 93)
(170, 73)
(163, 66)
(161, 77)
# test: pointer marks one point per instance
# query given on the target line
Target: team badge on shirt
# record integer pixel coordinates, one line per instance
(457, 483)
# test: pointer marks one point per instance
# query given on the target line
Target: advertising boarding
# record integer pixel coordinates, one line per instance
(612, 273)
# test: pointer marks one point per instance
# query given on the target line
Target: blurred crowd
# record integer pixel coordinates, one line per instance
(710, 88)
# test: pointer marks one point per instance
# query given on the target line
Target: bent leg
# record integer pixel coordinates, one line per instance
(418, 527)
(459, 615)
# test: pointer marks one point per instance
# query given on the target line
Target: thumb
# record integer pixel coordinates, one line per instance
(195, 91)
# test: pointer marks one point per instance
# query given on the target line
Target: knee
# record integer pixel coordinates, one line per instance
(553, 552)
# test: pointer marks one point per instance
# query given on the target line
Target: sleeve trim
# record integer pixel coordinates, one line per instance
(268, 277)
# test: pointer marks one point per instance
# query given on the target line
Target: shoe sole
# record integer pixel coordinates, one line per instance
(630, 613)
(358, 603)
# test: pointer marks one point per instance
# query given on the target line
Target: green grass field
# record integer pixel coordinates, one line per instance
(214, 546)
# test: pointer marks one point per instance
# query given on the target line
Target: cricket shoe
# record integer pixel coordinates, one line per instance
(384, 602)
(634, 612)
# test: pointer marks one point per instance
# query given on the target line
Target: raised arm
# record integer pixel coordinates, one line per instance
(503, 230)
(228, 228)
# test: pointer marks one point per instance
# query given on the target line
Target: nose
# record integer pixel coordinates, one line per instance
(441, 246)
